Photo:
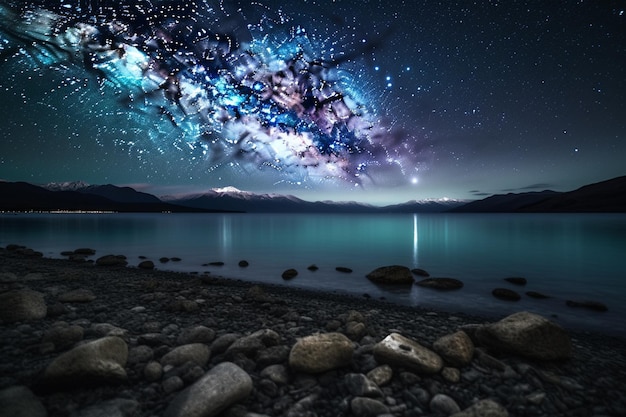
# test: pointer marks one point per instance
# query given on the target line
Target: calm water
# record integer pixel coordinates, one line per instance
(569, 256)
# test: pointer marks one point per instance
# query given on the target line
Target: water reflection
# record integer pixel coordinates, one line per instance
(415, 242)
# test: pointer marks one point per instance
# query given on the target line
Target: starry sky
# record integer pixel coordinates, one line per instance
(374, 101)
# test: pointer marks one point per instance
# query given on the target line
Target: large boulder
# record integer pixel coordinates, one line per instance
(224, 385)
(321, 352)
(394, 274)
(457, 349)
(22, 305)
(95, 362)
(526, 334)
(398, 350)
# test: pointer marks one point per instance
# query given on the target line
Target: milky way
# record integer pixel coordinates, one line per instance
(228, 84)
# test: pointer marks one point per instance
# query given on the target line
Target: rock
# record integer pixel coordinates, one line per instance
(21, 305)
(276, 373)
(118, 407)
(258, 294)
(506, 294)
(535, 294)
(80, 295)
(321, 352)
(273, 354)
(251, 344)
(355, 330)
(84, 251)
(153, 371)
(483, 408)
(175, 259)
(196, 334)
(380, 375)
(243, 264)
(220, 388)
(457, 349)
(63, 336)
(146, 265)
(394, 274)
(312, 268)
(172, 384)
(420, 272)
(452, 375)
(360, 386)
(222, 343)
(526, 334)
(19, 401)
(443, 404)
(443, 284)
(98, 361)
(591, 305)
(398, 350)
(140, 354)
(367, 407)
(343, 269)
(289, 274)
(516, 280)
(112, 260)
(198, 353)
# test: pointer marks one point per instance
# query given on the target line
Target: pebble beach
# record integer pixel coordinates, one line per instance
(84, 340)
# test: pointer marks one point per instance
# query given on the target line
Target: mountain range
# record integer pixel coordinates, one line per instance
(605, 196)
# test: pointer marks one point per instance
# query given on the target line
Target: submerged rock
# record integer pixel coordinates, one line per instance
(506, 294)
(444, 284)
(591, 305)
(516, 280)
(289, 274)
(420, 272)
(343, 269)
(393, 274)
(535, 294)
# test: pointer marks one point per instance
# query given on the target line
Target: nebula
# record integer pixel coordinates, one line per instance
(238, 84)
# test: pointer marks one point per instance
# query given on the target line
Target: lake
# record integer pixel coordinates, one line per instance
(566, 256)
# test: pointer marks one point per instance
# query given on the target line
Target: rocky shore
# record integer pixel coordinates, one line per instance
(84, 340)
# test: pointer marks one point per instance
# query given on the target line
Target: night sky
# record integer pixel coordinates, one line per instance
(378, 101)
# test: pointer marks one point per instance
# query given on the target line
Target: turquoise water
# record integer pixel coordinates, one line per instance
(568, 256)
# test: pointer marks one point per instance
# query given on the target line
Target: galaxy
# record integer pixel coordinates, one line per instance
(415, 99)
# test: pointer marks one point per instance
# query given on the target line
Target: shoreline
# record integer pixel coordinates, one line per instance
(135, 303)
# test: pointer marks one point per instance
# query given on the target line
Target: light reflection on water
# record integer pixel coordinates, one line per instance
(566, 256)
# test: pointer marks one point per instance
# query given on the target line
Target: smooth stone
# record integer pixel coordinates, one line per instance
(243, 264)
(221, 387)
(249, 345)
(277, 373)
(140, 354)
(443, 404)
(360, 386)
(153, 371)
(198, 353)
(343, 269)
(312, 268)
(457, 349)
(452, 375)
(98, 361)
(516, 280)
(196, 334)
(505, 294)
(393, 274)
(526, 334)
(172, 384)
(146, 265)
(443, 284)
(535, 294)
(591, 305)
(398, 350)
(420, 272)
(289, 274)
(80, 295)
(483, 408)
(321, 352)
(381, 375)
(22, 305)
(19, 401)
(367, 407)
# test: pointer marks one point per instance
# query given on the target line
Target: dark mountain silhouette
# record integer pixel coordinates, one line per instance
(22, 196)
(603, 197)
